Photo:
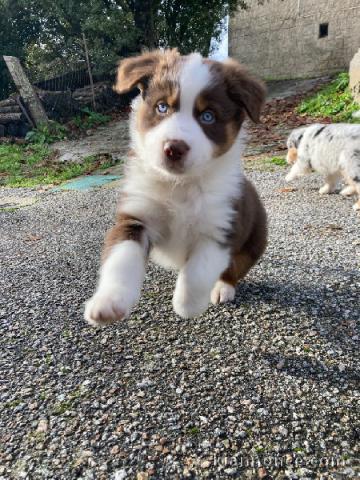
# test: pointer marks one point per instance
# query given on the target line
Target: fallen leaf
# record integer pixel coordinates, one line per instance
(332, 226)
(262, 473)
(32, 238)
(287, 190)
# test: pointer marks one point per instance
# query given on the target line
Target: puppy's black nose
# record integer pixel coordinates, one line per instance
(175, 150)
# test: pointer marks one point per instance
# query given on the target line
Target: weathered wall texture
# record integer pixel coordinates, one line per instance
(355, 76)
(280, 39)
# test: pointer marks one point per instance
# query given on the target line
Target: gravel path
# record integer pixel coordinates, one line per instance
(264, 386)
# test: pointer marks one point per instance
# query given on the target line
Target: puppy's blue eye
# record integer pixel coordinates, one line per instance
(162, 107)
(207, 117)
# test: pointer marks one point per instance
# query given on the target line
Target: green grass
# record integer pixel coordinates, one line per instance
(279, 161)
(32, 165)
(334, 101)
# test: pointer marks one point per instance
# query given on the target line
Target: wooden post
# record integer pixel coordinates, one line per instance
(26, 90)
(89, 70)
(24, 112)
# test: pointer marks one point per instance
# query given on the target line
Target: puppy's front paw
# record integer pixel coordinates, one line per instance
(325, 189)
(222, 292)
(189, 306)
(106, 308)
(289, 177)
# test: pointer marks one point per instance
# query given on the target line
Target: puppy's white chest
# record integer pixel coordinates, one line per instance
(188, 221)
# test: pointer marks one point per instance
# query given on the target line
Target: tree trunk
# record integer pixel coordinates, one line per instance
(144, 12)
(26, 90)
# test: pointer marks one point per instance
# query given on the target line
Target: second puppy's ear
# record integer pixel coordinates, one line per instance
(244, 90)
(136, 71)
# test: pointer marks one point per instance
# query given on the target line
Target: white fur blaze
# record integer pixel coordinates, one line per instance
(120, 282)
(222, 292)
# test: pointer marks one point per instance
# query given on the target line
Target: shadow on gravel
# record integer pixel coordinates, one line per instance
(312, 369)
(333, 311)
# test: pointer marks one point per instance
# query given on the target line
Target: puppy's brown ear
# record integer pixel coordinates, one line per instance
(244, 90)
(136, 71)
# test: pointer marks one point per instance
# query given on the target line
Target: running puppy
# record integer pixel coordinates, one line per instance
(185, 201)
(331, 150)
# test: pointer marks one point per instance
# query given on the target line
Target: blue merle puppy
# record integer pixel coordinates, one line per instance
(331, 150)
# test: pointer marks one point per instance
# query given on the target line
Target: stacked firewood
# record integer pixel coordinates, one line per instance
(59, 105)
(13, 119)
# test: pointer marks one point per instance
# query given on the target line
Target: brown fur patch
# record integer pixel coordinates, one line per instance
(125, 228)
(291, 156)
(248, 237)
(228, 116)
(136, 71)
(244, 90)
(239, 266)
(167, 92)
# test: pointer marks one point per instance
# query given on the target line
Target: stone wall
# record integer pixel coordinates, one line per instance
(280, 39)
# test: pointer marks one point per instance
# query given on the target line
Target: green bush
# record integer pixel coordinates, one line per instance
(90, 119)
(334, 101)
(47, 133)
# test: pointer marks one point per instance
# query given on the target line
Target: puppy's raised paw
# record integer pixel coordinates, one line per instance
(222, 292)
(104, 309)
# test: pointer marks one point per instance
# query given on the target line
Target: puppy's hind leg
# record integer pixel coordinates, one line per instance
(356, 205)
(241, 262)
(224, 289)
(350, 165)
(330, 185)
(348, 191)
(297, 170)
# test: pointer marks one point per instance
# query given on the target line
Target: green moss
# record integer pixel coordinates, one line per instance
(12, 404)
(65, 405)
(193, 431)
(37, 437)
(334, 101)
(61, 407)
(32, 165)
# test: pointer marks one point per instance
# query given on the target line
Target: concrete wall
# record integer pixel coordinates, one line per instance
(280, 39)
